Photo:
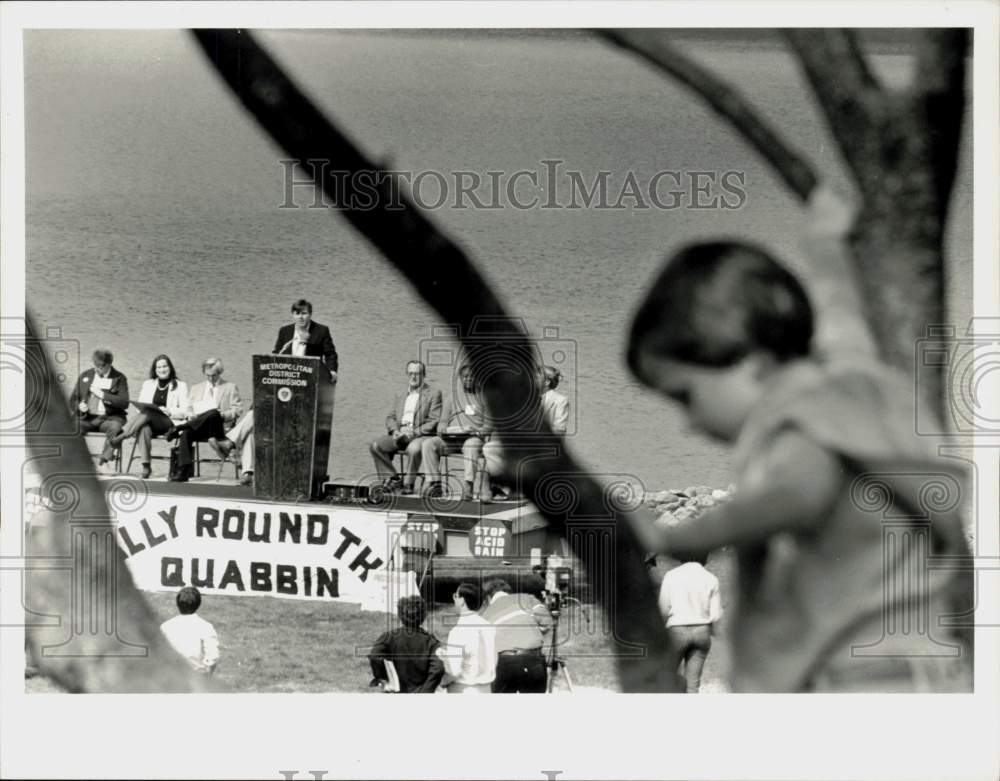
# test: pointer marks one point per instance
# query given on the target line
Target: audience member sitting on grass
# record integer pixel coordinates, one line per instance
(411, 649)
(691, 606)
(164, 391)
(192, 636)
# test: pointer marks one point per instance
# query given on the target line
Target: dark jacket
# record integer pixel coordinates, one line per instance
(425, 416)
(115, 398)
(412, 652)
(319, 345)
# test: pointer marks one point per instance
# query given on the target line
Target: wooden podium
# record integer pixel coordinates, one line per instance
(293, 413)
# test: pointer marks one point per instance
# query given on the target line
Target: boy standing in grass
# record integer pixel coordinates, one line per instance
(691, 605)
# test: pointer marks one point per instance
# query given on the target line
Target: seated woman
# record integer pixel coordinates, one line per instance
(162, 390)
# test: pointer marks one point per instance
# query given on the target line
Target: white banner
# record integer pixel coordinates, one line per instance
(256, 548)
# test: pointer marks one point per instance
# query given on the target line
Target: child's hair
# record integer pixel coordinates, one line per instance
(188, 600)
(715, 302)
(411, 611)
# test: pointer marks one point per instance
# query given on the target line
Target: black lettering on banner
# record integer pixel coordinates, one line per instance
(205, 521)
(285, 577)
(152, 539)
(171, 572)
(260, 576)
(349, 540)
(209, 580)
(291, 525)
(133, 547)
(329, 582)
(262, 536)
(229, 531)
(169, 518)
(312, 536)
(232, 575)
(361, 560)
(307, 582)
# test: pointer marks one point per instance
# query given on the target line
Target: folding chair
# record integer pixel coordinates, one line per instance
(116, 453)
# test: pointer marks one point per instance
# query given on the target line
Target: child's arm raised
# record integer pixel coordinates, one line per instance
(797, 486)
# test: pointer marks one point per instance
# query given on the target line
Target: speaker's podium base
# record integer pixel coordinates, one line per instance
(293, 414)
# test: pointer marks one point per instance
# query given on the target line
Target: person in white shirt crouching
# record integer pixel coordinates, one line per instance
(691, 605)
(192, 636)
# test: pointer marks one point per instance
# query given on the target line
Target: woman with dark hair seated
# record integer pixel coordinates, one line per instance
(164, 391)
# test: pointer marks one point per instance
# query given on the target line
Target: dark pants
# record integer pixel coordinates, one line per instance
(201, 428)
(109, 426)
(693, 643)
(385, 447)
(144, 427)
(520, 672)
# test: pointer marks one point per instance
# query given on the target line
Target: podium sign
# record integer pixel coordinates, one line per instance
(293, 413)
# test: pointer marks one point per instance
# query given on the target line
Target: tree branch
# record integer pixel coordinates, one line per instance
(726, 101)
(846, 92)
(79, 537)
(939, 99)
(449, 282)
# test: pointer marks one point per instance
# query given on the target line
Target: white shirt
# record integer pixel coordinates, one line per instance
(555, 407)
(410, 408)
(102, 383)
(299, 342)
(195, 639)
(689, 595)
(471, 654)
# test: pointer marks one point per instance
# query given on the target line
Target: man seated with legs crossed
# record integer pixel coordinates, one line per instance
(215, 406)
(521, 623)
(414, 415)
(240, 438)
(463, 428)
(99, 400)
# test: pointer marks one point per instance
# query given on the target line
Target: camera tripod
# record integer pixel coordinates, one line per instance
(553, 662)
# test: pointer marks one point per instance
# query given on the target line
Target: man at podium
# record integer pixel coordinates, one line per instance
(304, 336)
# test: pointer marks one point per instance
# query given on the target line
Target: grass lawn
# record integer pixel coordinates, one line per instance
(281, 645)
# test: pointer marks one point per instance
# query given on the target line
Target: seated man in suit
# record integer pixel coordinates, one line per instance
(304, 336)
(100, 400)
(414, 416)
(239, 438)
(463, 428)
(215, 406)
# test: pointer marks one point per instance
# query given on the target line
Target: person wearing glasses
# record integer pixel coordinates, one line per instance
(215, 406)
(414, 416)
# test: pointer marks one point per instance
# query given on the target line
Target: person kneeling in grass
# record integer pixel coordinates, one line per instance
(410, 649)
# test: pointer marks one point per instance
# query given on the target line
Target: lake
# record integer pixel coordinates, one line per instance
(154, 219)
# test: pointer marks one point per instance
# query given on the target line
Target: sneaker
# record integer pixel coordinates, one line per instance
(146, 471)
(467, 492)
(406, 490)
(246, 478)
(434, 491)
